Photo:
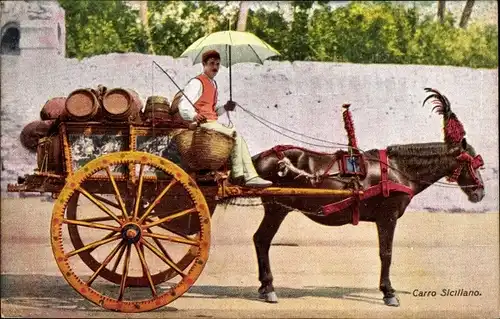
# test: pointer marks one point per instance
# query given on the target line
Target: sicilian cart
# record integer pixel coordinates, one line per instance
(134, 192)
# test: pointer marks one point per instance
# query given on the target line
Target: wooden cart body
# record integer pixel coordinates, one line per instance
(142, 168)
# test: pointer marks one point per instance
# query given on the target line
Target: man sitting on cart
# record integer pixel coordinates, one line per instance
(202, 92)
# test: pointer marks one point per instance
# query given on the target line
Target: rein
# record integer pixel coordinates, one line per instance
(472, 163)
(263, 121)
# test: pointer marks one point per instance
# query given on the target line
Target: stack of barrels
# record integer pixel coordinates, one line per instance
(114, 105)
(81, 105)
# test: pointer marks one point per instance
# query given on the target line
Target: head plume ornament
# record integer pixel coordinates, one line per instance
(453, 129)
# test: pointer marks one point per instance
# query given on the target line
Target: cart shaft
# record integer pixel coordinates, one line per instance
(232, 191)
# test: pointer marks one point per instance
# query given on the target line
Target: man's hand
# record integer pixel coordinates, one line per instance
(230, 105)
(200, 118)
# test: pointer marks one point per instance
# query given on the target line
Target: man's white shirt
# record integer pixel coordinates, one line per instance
(193, 91)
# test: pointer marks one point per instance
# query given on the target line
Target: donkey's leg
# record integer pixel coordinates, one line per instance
(262, 238)
(385, 227)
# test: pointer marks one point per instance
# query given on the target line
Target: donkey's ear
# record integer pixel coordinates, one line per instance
(463, 144)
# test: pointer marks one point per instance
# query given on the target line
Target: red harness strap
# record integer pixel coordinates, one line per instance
(277, 150)
(384, 187)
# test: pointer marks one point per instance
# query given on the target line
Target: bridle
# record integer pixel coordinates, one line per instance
(472, 163)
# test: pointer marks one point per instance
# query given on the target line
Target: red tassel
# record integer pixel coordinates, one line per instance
(454, 131)
(349, 127)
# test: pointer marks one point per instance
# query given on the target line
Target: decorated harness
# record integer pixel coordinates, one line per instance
(352, 163)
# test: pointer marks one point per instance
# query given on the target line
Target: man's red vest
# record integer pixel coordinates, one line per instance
(208, 99)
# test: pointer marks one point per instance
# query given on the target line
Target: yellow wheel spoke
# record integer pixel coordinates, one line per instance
(117, 261)
(169, 218)
(139, 191)
(157, 200)
(104, 263)
(98, 219)
(107, 236)
(145, 269)
(117, 192)
(91, 225)
(174, 239)
(99, 204)
(93, 245)
(158, 243)
(125, 272)
(163, 257)
(107, 201)
(166, 227)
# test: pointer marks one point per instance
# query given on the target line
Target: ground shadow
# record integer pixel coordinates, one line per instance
(41, 291)
(250, 293)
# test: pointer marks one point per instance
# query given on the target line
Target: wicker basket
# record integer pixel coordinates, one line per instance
(203, 149)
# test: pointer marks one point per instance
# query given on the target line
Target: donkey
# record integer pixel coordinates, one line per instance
(392, 177)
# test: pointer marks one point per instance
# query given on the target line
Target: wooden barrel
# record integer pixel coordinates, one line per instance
(82, 105)
(157, 108)
(33, 132)
(48, 154)
(121, 105)
(53, 108)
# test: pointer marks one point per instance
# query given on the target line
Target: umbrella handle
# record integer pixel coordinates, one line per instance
(230, 81)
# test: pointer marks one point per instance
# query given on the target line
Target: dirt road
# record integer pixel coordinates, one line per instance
(319, 271)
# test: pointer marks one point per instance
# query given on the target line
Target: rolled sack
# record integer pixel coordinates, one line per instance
(53, 108)
(33, 132)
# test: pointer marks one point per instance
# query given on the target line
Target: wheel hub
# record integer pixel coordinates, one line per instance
(131, 233)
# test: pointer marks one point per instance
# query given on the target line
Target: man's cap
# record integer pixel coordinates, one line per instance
(210, 54)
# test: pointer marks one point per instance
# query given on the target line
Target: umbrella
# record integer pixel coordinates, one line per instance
(234, 47)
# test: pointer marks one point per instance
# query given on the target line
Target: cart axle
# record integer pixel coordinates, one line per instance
(131, 233)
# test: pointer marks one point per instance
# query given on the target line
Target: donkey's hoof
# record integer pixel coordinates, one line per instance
(391, 301)
(270, 297)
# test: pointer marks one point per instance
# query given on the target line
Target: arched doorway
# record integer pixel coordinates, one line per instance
(10, 39)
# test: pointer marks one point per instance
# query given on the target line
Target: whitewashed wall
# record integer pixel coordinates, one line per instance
(303, 96)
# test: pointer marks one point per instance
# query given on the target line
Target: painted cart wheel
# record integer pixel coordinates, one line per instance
(111, 274)
(124, 244)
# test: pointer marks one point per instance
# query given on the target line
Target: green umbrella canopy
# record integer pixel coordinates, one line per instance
(234, 47)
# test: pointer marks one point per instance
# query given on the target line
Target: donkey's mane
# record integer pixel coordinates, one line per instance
(424, 157)
(436, 149)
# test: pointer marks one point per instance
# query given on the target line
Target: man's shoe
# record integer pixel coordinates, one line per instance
(258, 182)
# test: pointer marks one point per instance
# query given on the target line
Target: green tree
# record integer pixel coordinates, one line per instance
(101, 27)
(360, 32)
(298, 41)
(174, 25)
(271, 27)
(385, 32)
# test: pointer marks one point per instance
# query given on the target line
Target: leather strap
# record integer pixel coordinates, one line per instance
(384, 172)
(384, 187)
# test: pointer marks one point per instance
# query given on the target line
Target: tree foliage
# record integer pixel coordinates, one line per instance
(101, 27)
(360, 32)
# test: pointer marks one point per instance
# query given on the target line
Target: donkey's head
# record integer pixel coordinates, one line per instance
(466, 173)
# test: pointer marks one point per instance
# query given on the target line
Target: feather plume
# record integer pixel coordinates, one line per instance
(453, 128)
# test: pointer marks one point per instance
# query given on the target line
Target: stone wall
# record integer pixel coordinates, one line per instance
(303, 96)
